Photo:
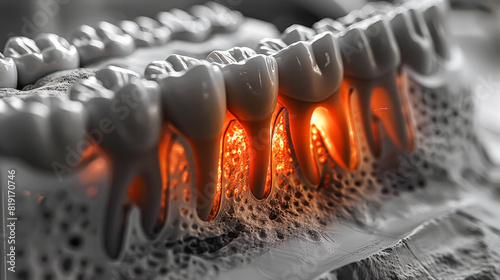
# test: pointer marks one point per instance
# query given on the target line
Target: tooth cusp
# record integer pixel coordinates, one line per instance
(8, 72)
(46, 54)
(222, 18)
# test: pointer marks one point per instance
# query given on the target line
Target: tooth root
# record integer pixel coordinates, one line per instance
(339, 133)
(206, 154)
(380, 99)
(140, 179)
(260, 154)
(299, 118)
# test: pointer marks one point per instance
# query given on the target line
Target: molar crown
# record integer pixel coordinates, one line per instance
(319, 53)
(106, 40)
(126, 100)
(8, 72)
(222, 18)
(369, 49)
(46, 54)
(57, 125)
(328, 25)
(146, 31)
(185, 26)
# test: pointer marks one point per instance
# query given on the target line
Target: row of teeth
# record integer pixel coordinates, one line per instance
(26, 60)
(127, 114)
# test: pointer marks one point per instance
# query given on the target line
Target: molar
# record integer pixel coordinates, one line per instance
(46, 54)
(371, 57)
(310, 76)
(434, 15)
(8, 72)
(251, 82)
(43, 131)
(146, 31)
(194, 102)
(125, 120)
(222, 18)
(107, 40)
(185, 26)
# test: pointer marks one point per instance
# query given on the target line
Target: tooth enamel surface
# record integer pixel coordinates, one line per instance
(46, 54)
(129, 102)
(434, 16)
(194, 102)
(107, 40)
(251, 83)
(44, 131)
(328, 25)
(297, 33)
(369, 49)
(146, 31)
(310, 75)
(8, 72)
(222, 18)
(413, 38)
(184, 26)
(125, 119)
(370, 56)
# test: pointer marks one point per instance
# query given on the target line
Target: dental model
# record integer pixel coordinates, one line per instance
(46, 54)
(144, 175)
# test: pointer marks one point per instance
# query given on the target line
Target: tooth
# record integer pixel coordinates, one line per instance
(146, 31)
(328, 25)
(251, 83)
(413, 38)
(106, 41)
(310, 75)
(184, 26)
(434, 16)
(48, 53)
(8, 72)
(194, 102)
(222, 18)
(297, 33)
(43, 131)
(126, 110)
(367, 11)
(370, 55)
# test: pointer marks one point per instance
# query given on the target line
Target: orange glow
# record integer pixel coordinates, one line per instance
(217, 199)
(322, 121)
(282, 154)
(236, 160)
(136, 193)
(163, 160)
(98, 166)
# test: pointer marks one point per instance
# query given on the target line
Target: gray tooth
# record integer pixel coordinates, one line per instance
(125, 110)
(44, 131)
(184, 26)
(146, 31)
(107, 40)
(297, 33)
(434, 16)
(328, 25)
(413, 38)
(222, 18)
